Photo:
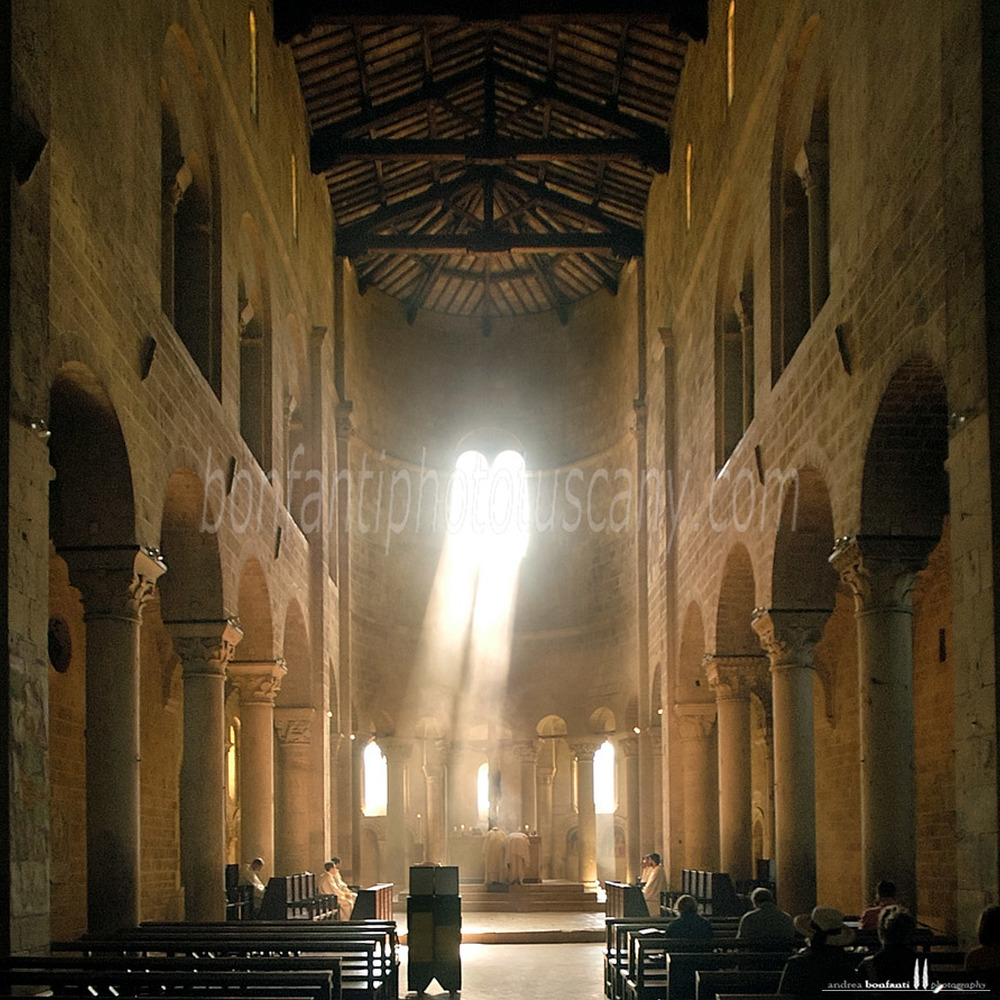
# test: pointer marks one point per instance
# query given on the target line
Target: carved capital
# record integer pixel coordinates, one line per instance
(734, 676)
(294, 727)
(205, 647)
(789, 636)
(114, 581)
(436, 756)
(629, 746)
(342, 418)
(695, 720)
(881, 572)
(258, 681)
(395, 750)
(584, 750)
(526, 752)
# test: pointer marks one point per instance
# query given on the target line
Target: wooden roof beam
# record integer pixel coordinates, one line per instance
(491, 241)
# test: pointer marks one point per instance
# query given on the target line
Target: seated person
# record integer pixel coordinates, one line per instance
(885, 895)
(250, 875)
(765, 921)
(344, 893)
(325, 884)
(983, 962)
(654, 881)
(823, 961)
(894, 961)
(689, 923)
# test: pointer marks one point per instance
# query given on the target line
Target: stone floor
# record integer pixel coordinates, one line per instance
(509, 956)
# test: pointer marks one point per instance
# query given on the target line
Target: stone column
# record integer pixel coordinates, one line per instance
(586, 813)
(114, 583)
(356, 763)
(701, 837)
(812, 166)
(295, 731)
(648, 803)
(205, 648)
(545, 773)
(731, 678)
(397, 753)
(435, 775)
(527, 756)
(655, 736)
(881, 573)
(789, 637)
(258, 682)
(634, 849)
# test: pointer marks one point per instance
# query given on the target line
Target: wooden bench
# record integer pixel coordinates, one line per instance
(260, 984)
(624, 900)
(710, 982)
(683, 968)
(367, 952)
(294, 897)
(374, 902)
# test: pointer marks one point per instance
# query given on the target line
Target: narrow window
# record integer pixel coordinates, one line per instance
(376, 781)
(730, 52)
(604, 779)
(253, 63)
(294, 180)
(483, 793)
(687, 184)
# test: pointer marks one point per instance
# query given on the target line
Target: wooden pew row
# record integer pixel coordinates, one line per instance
(369, 965)
(624, 900)
(711, 982)
(201, 984)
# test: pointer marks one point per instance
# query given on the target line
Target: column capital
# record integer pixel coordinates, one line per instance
(526, 751)
(258, 681)
(205, 646)
(436, 755)
(294, 725)
(732, 676)
(695, 719)
(789, 635)
(629, 746)
(342, 418)
(395, 749)
(585, 749)
(881, 571)
(115, 581)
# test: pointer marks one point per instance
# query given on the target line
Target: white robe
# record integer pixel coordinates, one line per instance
(517, 856)
(494, 859)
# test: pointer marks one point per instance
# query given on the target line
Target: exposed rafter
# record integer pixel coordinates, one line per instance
(494, 241)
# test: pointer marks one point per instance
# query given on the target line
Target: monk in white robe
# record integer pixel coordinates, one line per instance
(494, 856)
(517, 856)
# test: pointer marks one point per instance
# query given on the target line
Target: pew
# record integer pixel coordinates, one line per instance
(374, 902)
(714, 892)
(366, 952)
(239, 898)
(294, 897)
(710, 982)
(624, 900)
(259, 984)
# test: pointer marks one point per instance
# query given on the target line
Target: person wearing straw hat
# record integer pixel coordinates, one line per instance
(823, 961)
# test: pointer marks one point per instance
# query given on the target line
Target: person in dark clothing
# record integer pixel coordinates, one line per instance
(894, 962)
(689, 923)
(823, 961)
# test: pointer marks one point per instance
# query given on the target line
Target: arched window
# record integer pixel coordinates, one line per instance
(604, 779)
(376, 781)
(483, 793)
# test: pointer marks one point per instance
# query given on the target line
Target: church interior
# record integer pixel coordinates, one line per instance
(424, 420)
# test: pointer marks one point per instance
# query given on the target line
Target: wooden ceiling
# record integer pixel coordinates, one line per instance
(488, 162)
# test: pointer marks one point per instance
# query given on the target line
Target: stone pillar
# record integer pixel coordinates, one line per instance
(586, 813)
(435, 775)
(295, 732)
(114, 583)
(545, 773)
(647, 765)
(731, 678)
(397, 753)
(701, 838)
(881, 573)
(789, 637)
(258, 682)
(655, 736)
(812, 166)
(527, 757)
(357, 770)
(634, 850)
(204, 648)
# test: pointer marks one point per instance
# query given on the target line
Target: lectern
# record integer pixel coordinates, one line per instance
(434, 928)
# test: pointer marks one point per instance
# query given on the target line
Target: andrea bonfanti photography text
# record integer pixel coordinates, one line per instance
(381, 497)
